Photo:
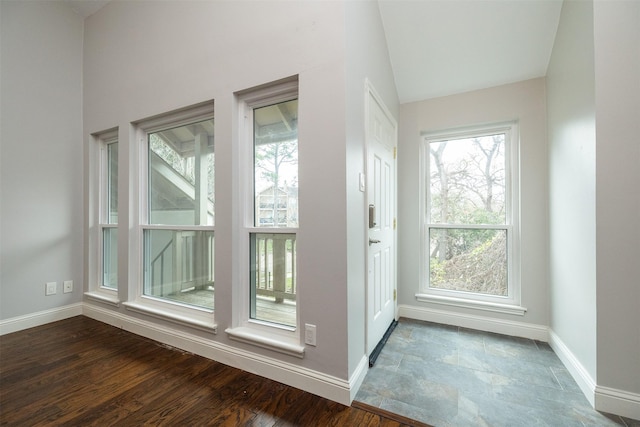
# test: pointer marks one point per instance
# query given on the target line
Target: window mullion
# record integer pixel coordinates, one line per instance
(469, 226)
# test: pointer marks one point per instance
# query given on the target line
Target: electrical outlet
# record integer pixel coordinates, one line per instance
(310, 334)
(68, 286)
(51, 288)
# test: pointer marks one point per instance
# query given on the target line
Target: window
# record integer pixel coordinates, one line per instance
(102, 217)
(470, 215)
(178, 210)
(267, 250)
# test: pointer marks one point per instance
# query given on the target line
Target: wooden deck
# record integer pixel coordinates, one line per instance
(270, 310)
(80, 372)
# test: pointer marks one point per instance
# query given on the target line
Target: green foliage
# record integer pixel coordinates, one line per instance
(437, 272)
(481, 268)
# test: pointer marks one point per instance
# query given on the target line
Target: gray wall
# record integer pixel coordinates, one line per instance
(572, 250)
(525, 102)
(41, 157)
(594, 157)
(617, 94)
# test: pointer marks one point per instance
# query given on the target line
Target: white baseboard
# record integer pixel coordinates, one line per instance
(32, 320)
(481, 323)
(358, 377)
(604, 399)
(617, 402)
(581, 376)
(314, 382)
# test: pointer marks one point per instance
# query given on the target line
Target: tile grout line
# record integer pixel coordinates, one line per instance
(556, 378)
(512, 348)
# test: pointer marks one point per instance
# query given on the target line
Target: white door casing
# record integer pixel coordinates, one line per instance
(381, 135)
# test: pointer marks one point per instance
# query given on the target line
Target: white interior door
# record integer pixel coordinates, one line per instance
(381, 196)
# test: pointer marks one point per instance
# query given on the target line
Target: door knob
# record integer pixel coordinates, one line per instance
(372, 241)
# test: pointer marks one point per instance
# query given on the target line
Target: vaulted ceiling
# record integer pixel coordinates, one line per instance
(443, 47)
(86, 7)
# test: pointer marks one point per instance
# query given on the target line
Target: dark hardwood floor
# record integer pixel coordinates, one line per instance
(82, 372)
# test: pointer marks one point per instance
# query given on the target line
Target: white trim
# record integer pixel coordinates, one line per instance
(617, 402)
(186, 320)
(581, 376)
(604, 399)
(473, 304)
(358, 376)
(104, 298)
(471, 321)
(318, 383)
(250, 336)
(39, 318)
(269, 93)
(176, 118)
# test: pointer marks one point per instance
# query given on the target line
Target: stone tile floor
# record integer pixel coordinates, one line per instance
(449, 376)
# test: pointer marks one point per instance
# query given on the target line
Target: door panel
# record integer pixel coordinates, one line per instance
(381, 305)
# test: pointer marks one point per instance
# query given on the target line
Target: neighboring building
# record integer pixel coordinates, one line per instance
(279, 208)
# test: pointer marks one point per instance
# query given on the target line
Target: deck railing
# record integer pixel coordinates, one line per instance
(185, 262)
(275, 261)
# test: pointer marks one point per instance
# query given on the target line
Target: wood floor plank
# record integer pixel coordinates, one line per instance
(80, 372)
(46, 346)
(176, 404)
(145, 394)
(92, 366)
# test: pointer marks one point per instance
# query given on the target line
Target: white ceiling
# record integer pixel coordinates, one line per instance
(442, 47)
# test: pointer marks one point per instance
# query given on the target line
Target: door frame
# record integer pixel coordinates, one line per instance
(369, 93)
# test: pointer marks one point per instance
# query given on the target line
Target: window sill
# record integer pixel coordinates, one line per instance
(477, 305)
(250, 336)
(179, 318)
(104, 298)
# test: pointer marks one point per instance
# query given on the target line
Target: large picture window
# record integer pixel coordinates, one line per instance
(470, 215)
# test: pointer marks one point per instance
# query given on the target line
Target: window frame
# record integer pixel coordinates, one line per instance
(105, 221)
(99, 216)
(190, 315)
(511, 303)
(273, 336)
